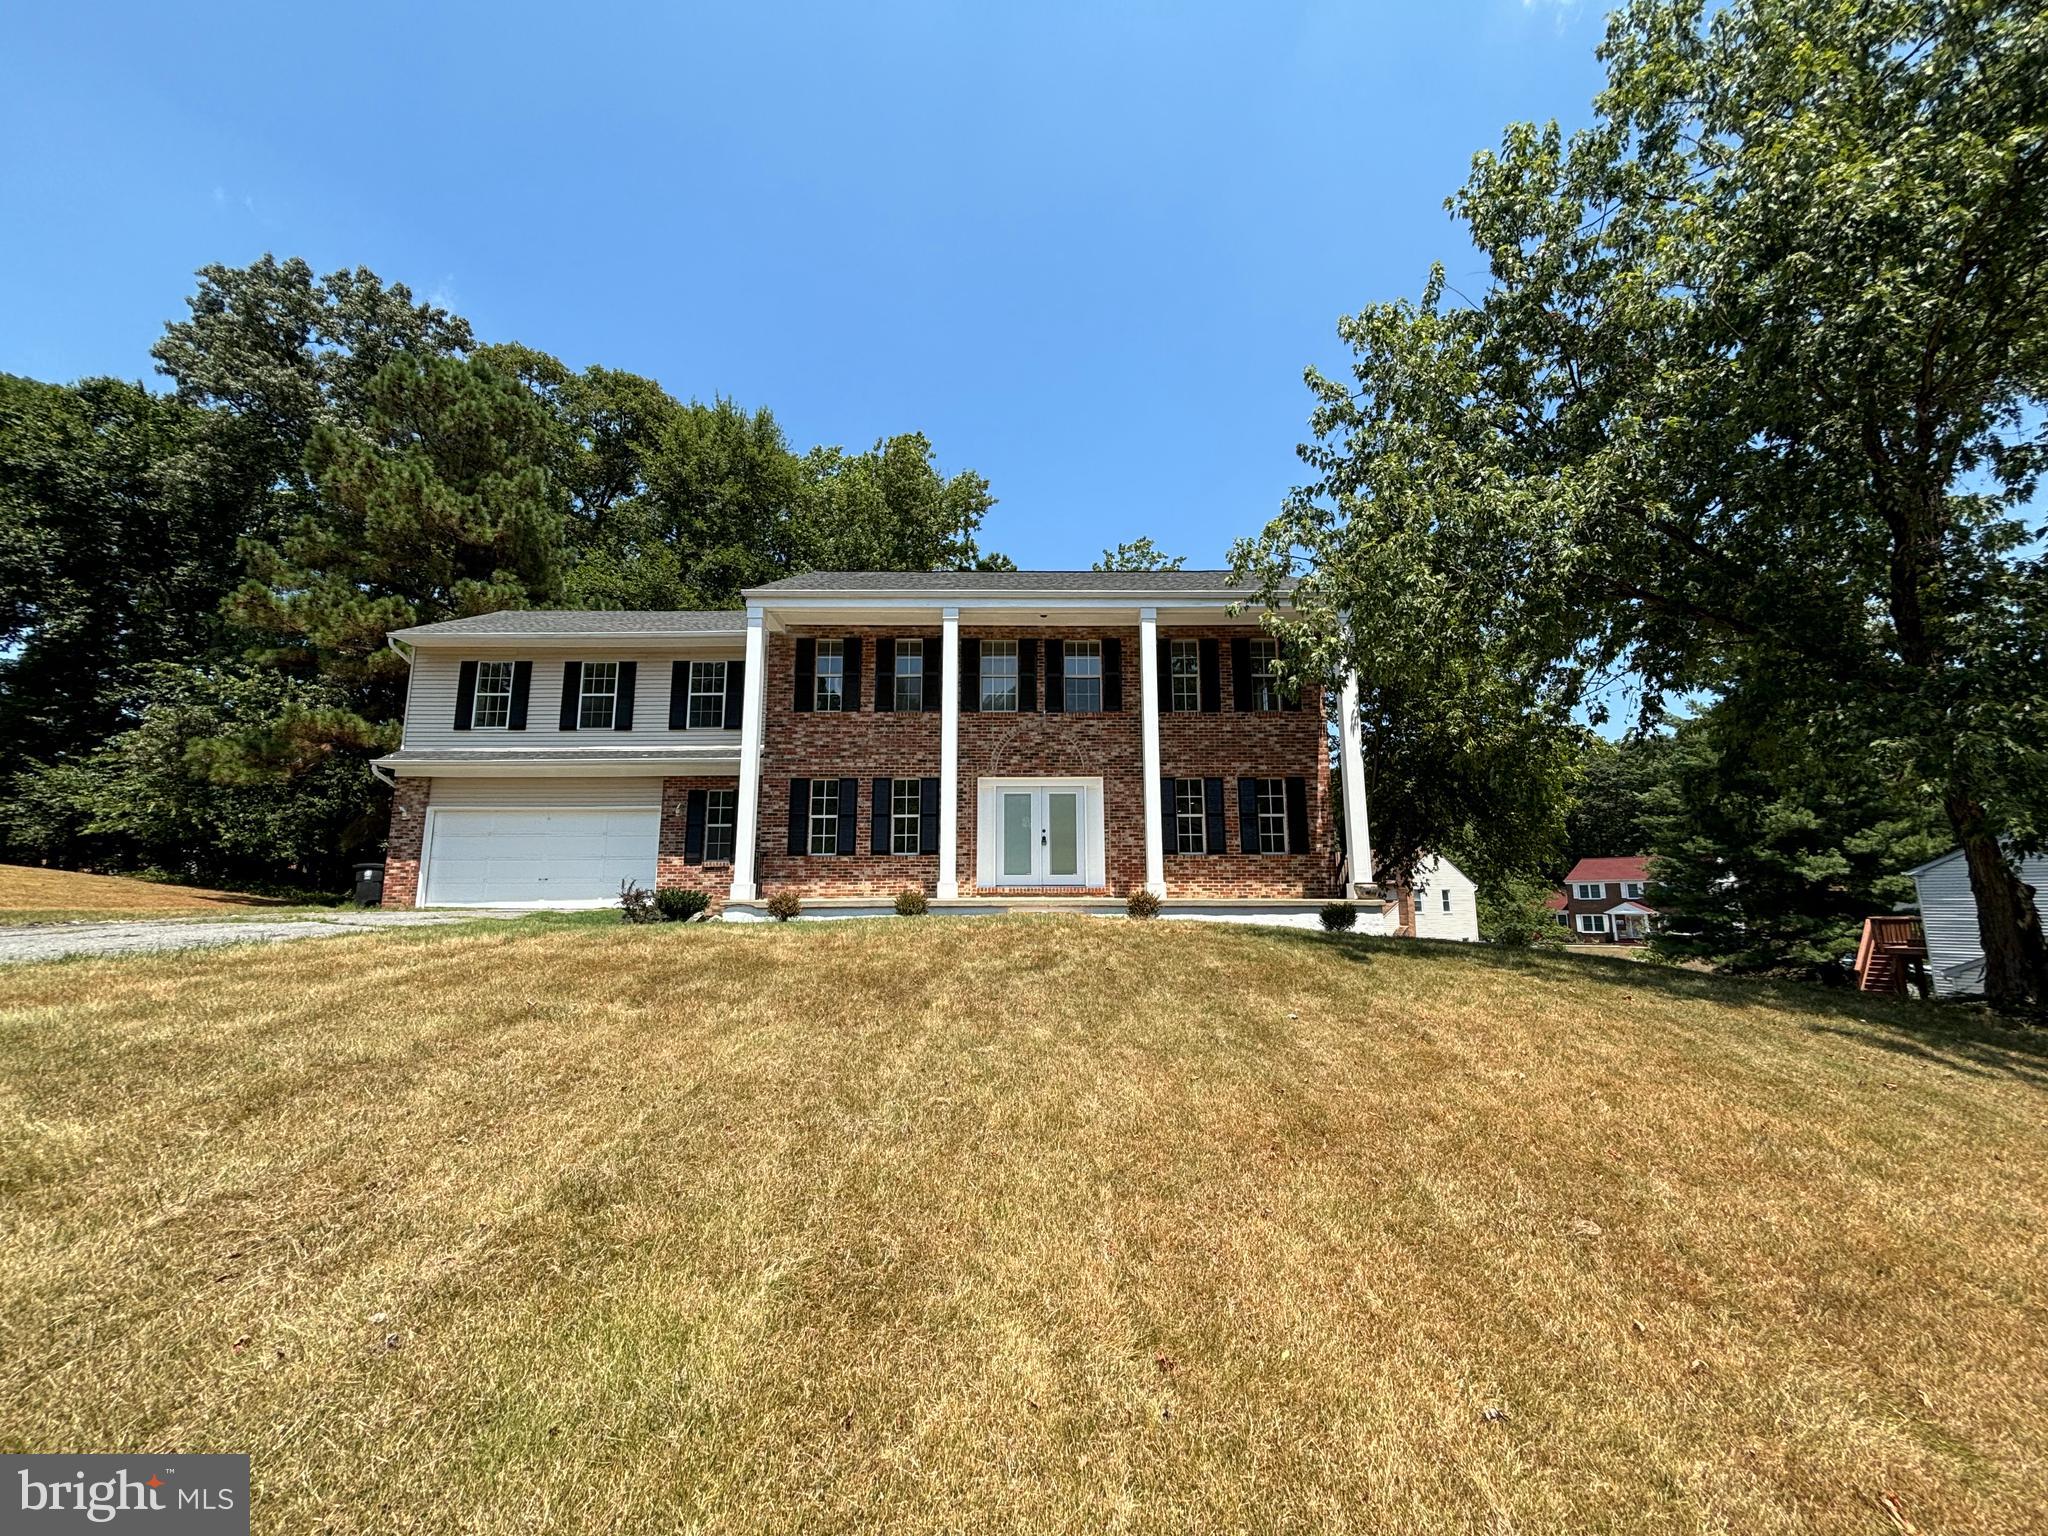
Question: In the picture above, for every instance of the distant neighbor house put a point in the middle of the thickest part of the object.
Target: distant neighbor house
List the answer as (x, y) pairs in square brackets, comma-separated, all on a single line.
[(1948, 914), (1604, 901), (1442, 904)]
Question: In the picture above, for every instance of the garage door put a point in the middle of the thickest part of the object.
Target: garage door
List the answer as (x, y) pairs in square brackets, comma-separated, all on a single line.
[(537, 858)]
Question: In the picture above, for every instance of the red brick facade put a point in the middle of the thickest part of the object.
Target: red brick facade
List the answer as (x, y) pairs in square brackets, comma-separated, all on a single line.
[(862, 744), (672, 869), (408, 832)]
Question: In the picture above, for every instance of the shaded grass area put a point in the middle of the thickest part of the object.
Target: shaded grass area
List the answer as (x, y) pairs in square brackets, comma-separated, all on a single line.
[(1022, 1223), (32, 895)]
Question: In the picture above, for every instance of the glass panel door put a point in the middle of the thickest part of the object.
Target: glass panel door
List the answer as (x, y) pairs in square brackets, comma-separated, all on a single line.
[(1019, 843), (1063, 823)]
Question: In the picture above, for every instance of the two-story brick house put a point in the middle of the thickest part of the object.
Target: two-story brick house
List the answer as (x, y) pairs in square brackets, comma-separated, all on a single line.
[(1604, 901), (849, 734)]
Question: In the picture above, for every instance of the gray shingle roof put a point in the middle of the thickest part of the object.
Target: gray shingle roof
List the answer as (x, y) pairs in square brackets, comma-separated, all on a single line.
[(823, 582), (564, 621)]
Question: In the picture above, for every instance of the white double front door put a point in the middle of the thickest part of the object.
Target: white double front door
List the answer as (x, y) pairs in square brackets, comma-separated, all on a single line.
[(1040, 832)]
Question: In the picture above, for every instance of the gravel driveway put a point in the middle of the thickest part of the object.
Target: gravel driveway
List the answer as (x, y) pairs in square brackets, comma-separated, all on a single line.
[(56, 940)]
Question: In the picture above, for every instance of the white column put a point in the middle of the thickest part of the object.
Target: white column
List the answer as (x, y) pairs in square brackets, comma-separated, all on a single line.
[(950, 683), (1351, 774), (753, 715), (1148, 670)]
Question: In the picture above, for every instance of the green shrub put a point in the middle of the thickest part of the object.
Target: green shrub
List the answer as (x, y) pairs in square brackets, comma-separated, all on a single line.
[(681, 906), (636, 905), (783, 905), (911, 903), (1141, 903), (1339, 917)]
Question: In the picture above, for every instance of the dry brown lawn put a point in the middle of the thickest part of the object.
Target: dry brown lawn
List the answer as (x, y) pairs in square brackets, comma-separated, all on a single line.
[(30, 895), (1022, 1225)]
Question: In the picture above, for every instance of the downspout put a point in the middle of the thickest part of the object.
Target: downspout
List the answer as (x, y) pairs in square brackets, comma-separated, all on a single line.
[(385, 776)]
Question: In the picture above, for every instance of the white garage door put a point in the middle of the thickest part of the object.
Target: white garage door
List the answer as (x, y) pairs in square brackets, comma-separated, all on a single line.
[(535, 858)]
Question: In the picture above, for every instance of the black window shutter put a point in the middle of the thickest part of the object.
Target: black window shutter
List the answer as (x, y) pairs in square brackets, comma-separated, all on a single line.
[(1297, 815), (851, 683), (934, 675), (928, 815), (879, 816), (1212, 814), (799, 815), (1027, 677), (695, 805), (1055, 676), (1113, 674), (465, 694), (735, 692), (806, 673), (522, 689), (1248, 815), (1241, 675), (572, 693), (622, 710), (1164, 662), (1169, 824), (885, 675), (1212, 677), (679, 696), (970, 676), (849, 814)]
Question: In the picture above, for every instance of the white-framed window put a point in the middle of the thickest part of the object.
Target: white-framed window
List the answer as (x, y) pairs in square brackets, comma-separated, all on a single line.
[(1272, 808), (1190, 817), (1184, 674), (1265, 674), (721, 815), (906, 817), (828, 680), (1592, 922), (1083, 676), (1631, 889), (909, 676), (598, 701), (999, 677), (1447, 901), (491, 708), (824, 816), (707, 696), (1591, 892)]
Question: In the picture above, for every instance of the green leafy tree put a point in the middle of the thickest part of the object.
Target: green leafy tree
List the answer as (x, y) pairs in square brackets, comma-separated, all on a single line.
[(1767, 856), (1611, 795), (440, 507), (1139, 554), (888, 509), (1752, 403)]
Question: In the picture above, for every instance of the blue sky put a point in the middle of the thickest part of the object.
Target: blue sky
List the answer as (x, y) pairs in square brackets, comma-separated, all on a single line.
[(1088, 249)]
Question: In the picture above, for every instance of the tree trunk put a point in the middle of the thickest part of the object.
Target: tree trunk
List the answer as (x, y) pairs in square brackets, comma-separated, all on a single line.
[(2008, 920)]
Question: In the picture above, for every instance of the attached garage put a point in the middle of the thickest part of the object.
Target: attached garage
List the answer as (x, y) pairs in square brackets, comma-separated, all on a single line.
[(537, 856)]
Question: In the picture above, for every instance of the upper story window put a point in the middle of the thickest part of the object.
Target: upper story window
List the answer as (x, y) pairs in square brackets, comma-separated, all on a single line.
[(1265, 656), (598, 702), (999, 676), (906, 818), (1588, 892), (707, 696), (1184, 674), (1083, 673), (824, 815), (828, 682), (1190, 817), (1632, 889), (491, 709), (721, 814), (909, 676), (1272, 813)]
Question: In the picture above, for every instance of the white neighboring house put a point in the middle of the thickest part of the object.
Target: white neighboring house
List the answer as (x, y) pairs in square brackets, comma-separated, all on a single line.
[(1444, 903), (1948, 913)]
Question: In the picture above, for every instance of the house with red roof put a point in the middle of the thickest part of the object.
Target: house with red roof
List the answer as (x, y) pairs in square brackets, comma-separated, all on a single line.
[(1604, 901)]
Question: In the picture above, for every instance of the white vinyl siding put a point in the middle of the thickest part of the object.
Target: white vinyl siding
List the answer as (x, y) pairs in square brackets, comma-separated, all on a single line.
[(1447, 904), (430, 703), (1948, 913)]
